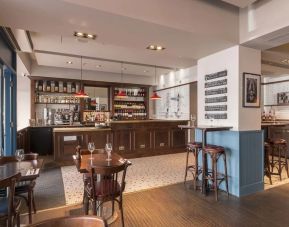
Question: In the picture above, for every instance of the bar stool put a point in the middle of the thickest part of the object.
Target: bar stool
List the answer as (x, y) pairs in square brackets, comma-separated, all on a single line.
[(279, 150), (267, 151), (194, 148), (215, 152)]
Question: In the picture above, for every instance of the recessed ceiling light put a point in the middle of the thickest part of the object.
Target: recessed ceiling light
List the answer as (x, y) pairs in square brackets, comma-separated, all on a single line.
[(155, 47), (84, 35), (145, 71), (285, 61), (123, 68), (98, 66), (69, 62)]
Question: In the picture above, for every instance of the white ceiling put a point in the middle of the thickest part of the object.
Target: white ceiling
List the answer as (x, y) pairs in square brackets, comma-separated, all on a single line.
[(188, 29)]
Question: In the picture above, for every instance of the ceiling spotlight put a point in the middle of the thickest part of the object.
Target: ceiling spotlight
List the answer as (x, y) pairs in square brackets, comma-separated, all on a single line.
[(145, 71), (123, 68), (98, 66), (155, 47), (84, 35), (285, 61), (69, 62)]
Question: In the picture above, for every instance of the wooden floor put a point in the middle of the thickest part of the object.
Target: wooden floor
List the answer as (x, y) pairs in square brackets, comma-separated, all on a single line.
[(177, 205)]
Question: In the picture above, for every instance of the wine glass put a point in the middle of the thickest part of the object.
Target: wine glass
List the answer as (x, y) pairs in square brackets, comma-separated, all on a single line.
[(108, 149), (19, 154), (91, 148)]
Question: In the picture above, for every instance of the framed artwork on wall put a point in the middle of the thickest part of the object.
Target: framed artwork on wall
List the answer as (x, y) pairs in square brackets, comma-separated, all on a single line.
[(251, 90)]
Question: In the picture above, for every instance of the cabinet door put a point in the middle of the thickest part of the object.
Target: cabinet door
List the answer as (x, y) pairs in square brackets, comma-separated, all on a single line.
[(178, 138), (161, 139), (142, 140), (122, 141), (41, 140)]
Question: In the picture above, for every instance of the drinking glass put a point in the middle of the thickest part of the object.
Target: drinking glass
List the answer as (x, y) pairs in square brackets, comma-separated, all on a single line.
[(19, 154), (91, 148), (108, 149)]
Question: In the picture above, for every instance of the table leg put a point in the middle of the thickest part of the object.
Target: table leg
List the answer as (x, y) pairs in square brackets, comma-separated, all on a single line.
[(204, 161)]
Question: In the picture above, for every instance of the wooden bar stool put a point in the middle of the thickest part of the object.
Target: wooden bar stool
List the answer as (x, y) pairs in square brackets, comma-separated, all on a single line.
[(267, 170), (215, 152), (279, 151), (194, 148)]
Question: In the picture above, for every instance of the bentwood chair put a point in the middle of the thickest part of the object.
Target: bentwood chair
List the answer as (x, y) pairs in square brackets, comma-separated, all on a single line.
[(71, 221), (9, 206), (27, 186), (105, 184)]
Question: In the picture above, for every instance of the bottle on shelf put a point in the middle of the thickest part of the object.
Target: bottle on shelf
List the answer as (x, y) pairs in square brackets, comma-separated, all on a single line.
[(56, 86), (64, 87), (48, 86), (40, 85), (73, 87)]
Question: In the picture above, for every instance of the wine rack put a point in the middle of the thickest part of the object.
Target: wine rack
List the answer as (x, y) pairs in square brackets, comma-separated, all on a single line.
[(132, 106)]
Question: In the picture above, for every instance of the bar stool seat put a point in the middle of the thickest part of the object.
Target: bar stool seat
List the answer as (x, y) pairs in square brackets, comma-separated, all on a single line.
[(193, 148), (279, 156), (215, 152)]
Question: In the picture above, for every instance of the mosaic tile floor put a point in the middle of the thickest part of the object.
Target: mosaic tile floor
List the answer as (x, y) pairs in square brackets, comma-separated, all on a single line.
[(144, 173)]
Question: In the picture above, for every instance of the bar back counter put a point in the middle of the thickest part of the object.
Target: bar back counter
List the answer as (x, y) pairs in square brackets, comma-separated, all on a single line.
[(130, 139)]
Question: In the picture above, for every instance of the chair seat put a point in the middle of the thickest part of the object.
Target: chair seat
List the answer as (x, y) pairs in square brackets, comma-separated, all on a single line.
[(4, 205), (105, 188), (214, 149), (194, 145)]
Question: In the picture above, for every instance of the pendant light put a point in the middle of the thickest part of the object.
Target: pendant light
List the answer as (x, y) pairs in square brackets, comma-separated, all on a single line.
[(121, 94), (81, 93), (155, 95)]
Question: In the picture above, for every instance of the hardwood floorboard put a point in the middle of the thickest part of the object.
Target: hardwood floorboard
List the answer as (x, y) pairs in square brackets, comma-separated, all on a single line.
[(177, 205)]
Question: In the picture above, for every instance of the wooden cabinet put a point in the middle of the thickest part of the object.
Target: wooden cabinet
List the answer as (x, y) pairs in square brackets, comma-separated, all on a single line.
[(178, 138), (142, 140), (122, 141), (161, 138)]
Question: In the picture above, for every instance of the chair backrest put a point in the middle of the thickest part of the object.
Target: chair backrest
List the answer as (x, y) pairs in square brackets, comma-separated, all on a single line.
[(71, 221), (108, 179), (9, 183), (82, 151)]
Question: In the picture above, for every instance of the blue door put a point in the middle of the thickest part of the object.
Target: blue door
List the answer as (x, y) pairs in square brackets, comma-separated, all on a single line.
[(8, 110)]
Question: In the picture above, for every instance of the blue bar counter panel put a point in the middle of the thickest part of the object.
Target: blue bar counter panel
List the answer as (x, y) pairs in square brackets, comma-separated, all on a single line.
[(244, 150)]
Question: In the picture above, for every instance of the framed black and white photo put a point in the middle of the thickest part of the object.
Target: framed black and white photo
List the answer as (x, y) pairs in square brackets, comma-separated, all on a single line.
[(251, 90)]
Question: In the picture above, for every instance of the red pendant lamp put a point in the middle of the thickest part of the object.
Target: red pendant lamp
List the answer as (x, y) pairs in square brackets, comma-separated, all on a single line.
[(81, 93), (155, 95), (121, 94)]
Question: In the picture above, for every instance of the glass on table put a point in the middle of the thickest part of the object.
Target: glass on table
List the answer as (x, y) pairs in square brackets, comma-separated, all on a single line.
[(19, 154), (91, 148), (108, 149)]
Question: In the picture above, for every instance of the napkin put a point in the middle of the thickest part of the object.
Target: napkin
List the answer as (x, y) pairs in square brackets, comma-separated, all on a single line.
[(32, 172)]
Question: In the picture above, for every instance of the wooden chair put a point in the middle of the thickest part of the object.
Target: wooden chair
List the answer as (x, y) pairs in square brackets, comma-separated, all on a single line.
[(27, 186), (105, 185), (9, 206), (80, 221)]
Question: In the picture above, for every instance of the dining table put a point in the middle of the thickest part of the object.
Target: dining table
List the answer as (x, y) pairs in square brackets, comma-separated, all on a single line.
[(29, 169)]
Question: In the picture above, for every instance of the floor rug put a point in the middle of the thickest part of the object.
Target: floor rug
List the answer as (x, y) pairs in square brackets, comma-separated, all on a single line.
[(144, 173)]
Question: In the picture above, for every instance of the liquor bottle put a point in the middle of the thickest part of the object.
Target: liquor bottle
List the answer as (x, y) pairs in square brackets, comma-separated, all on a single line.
[(56, 86), (48, 86), (64, 87), (263, 116), (40, 85), (73, 88)]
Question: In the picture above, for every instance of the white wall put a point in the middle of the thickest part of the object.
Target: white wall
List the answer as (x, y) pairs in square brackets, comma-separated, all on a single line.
[(235, 60), (263, 17), (55, 72), (179, 77), (23, 96)]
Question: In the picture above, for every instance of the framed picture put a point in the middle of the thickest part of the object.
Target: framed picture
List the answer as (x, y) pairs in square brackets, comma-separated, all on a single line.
[(251, 90)]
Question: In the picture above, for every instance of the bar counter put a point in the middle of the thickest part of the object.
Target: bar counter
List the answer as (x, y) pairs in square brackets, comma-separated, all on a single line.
[(130, 138)]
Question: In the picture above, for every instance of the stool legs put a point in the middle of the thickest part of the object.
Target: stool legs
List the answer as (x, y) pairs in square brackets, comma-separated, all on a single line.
[(194, 167), (226, 174), (279, 151), (187, 163)]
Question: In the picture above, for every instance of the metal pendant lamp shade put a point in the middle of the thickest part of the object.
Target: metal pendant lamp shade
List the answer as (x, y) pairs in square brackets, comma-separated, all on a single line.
[(155, 95), (121, 94), (81, 93)]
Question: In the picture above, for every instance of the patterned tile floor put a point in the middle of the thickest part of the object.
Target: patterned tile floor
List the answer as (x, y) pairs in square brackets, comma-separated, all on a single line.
[(144, 173)]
